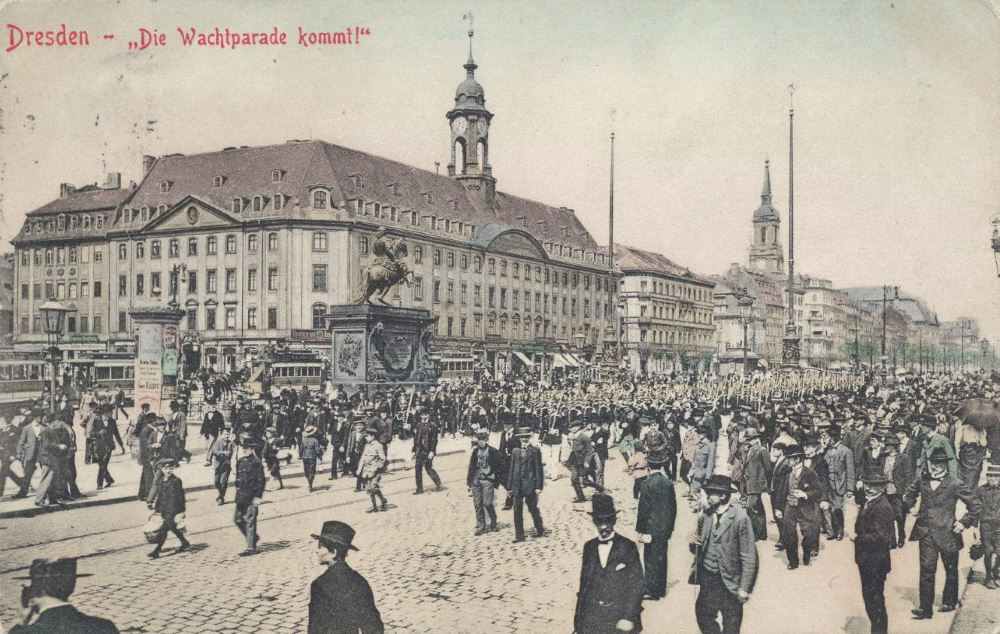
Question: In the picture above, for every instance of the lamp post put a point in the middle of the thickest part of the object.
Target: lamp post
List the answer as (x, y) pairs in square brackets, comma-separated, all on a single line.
[(578, 340), (53, 318), (746, 308)]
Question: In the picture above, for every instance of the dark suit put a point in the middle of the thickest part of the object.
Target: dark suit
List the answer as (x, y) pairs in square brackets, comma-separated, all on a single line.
[(249, 485), (933, 529), (756, 475), (655, 517), (64, 619), (801, 512), (610, 593), (875, 537), (27, 453), (425, 440), (341, 602), (524, 479), (169, 504), (736, 562)]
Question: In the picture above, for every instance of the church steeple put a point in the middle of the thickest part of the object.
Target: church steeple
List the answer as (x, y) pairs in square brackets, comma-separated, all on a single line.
[(766, 251), (469, 123)]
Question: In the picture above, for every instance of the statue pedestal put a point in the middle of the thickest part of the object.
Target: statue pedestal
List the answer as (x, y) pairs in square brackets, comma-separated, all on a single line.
[(156, 356), (381, 345)]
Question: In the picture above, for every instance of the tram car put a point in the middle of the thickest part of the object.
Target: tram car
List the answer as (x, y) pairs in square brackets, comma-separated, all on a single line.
[(24, 377)]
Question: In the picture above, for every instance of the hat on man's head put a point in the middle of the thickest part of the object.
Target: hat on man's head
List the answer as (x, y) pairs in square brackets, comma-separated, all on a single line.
[(371, 429), (874, 476), (602, 507), (167, 462), (309, 430), (44, 570), (145, 406), (939, 455), (720, 484), (483, 434), (523, 432), (794, 451), (334, 532)]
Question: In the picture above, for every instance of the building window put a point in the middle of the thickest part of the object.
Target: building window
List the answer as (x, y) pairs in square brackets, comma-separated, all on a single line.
[(319, 199), (217, 181), (231, 243), (98, 254), (258, 203), (72, 255), (230, 280), (436, 293), (451, 260), (418, 254), (462, 293), (97, 289), (272, 317), (122, 286), (139, 284), (451, 292), (97, 324), (154, 249), (122, 321), (25, 258), (503, 268), (319, 241), (154, 283), (515, 300), (272, 241), (192, 246), (276, 176), (478, 264), (363, 242), (319, 316), (319, 278), (237, 204), (491, 297), (25, 289), (37, 256), (252, 318), (272, 278), (211, 281), (437, 257), (174, 248), (230, 317), (515, 270), (493, 266), (210, 318), (252, 243), (36, 290), (192, 281), (451, 324), (60, 255), (140, 250), (192, 319), (418, 289), (465, 262), (477, 295), (503, 298), (212, 245), (461, 327), (251, 279)]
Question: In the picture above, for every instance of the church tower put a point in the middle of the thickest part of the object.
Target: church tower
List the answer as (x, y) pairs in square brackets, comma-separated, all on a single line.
[(766, 253), (469, 123)]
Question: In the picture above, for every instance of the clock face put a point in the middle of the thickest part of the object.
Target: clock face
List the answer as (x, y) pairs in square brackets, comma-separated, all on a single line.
[(459, 126), (482, 126)]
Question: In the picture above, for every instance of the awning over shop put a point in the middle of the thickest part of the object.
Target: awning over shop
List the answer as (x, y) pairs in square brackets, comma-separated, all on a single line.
[(524, 359), (563, 360)]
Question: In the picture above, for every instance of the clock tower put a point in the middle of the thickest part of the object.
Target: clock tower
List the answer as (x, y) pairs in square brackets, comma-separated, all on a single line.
[(469, 123)]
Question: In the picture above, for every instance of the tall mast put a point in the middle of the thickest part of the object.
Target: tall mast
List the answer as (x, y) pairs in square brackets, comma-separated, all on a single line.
[(611, 253)]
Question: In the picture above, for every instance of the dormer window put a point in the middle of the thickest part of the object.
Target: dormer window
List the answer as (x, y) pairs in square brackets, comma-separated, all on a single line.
[(218, 181), (237, 203), (356, 179), (414, 218), (258, 203), (74, 222), (145, 214), (86, 222), (99, 224), (393, 215), (378, 210), (277, 175), (394, 188), (162, 209), (279, 201), (447, 226), (434, 223), (165, 186), (319, 199)]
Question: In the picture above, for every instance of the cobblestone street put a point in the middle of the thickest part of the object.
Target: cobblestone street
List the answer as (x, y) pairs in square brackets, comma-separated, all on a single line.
[(427, 570)]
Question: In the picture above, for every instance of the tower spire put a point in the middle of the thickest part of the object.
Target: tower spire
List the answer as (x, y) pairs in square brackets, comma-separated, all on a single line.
[(470, 65), (765, 195)]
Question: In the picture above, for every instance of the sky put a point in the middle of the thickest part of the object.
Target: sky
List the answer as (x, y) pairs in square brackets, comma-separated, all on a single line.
[(897, 116)]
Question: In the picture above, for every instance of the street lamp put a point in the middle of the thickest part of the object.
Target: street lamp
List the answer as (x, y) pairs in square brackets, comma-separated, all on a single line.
[(53, 318), (746, 308), (578, 340)]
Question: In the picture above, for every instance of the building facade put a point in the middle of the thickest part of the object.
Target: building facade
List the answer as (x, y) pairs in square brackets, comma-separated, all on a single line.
[(255, 244), (666, 315)]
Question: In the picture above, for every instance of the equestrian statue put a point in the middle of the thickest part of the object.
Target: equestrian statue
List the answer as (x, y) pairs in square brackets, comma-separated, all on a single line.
[(388, 269)]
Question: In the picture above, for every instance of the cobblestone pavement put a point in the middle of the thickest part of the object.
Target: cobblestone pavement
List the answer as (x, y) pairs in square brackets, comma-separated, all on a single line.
[(427, 571)]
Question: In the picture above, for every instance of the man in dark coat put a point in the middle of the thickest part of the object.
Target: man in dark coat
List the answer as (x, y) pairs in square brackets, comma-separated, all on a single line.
[(51, 456), (525, 482), (211, 426), (655, 520), (169, 504), (725, 563), (483, 478), (46, 601), (756, 475), (937, 530), (249, 491), (340, 600), (425, 439), (611, 579), (28, 445), (9, 434), (874, 537), (801, 508)]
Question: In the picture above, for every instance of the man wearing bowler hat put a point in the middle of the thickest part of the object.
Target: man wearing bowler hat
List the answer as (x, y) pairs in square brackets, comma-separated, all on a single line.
[(655, 520), (725, 564), (483, 478), (800, 503), (611, 579), (340, 600), (874, 537), (46, 601), (524, 481), (937, 530)]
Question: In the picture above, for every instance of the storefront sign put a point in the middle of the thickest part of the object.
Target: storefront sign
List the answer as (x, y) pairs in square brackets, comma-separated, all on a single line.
[(310, 336)]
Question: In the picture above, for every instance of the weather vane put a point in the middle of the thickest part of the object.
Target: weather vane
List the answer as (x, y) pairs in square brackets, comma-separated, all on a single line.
[(468, 16)]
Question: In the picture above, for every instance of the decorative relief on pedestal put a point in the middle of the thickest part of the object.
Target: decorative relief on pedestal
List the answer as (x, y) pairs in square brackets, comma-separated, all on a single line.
[(349, 350)]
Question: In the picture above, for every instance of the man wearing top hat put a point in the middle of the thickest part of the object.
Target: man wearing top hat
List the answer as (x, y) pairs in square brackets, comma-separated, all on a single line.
[(937, 530), (611, 579), (525, 480), (800, 499), (46, 601), (655, 520), (340, 600), (725, 564), (936, 437), (874, 537), (483, 478)]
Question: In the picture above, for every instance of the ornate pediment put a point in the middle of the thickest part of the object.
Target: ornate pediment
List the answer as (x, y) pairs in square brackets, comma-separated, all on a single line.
[(191, 213)]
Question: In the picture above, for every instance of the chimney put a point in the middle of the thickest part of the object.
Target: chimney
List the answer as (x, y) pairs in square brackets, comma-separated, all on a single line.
[(65, 189), (147, 163), (113, 180)]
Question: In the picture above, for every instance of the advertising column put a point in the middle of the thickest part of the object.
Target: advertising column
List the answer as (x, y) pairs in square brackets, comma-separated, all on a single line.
[(156, 357)]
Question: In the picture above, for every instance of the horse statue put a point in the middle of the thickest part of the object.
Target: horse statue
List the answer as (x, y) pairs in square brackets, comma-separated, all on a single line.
[(388, 270)]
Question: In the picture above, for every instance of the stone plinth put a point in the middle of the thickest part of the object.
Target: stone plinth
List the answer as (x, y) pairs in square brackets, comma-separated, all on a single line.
[(381, 345)]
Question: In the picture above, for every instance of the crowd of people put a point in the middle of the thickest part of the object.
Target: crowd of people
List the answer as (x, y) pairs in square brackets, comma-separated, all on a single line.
[(717, 447)]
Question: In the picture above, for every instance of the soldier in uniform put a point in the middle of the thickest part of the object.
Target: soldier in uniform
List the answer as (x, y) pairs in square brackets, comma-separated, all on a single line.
[(249, 490)]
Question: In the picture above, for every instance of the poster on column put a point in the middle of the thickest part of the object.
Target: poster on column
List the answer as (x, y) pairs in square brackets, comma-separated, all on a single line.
[(148, 366)]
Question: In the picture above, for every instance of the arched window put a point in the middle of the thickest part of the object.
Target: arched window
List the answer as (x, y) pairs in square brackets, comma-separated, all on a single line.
[(86, 222), (237, 205), (460, 154), (279, 201), (272, 241), (258, 203), (100, 222), (319, 316), (763, 234), (481, 149), (319, 199)]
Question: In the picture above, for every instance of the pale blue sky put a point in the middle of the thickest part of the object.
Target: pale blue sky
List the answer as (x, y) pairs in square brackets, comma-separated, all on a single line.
[(897, 118)]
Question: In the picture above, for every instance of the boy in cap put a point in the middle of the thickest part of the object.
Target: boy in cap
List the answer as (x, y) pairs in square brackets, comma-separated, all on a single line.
[(370, 468), (309, 451), (46, 601), (989, 524), (655, 520), (222, 457), (340, 599), (169, 504), (611, 579)]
